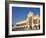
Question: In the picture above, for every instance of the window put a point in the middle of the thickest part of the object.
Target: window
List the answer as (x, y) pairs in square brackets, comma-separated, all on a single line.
[(17, 25), (36, 21)]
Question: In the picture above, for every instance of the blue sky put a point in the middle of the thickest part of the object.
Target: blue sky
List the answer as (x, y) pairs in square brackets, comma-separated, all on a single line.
[(19, 13)]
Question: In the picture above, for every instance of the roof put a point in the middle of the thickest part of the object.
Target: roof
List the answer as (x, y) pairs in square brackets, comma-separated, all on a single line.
[(24, 21)]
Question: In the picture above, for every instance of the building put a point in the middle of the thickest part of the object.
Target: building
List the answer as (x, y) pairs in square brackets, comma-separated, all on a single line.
[(32, 22)]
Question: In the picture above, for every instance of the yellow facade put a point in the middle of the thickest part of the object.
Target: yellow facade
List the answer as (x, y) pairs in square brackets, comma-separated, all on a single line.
[(31, 22)]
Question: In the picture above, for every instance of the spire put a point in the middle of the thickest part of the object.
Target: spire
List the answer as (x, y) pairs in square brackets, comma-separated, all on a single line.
[(30, 14)]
